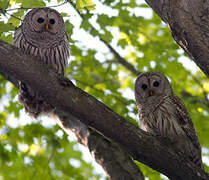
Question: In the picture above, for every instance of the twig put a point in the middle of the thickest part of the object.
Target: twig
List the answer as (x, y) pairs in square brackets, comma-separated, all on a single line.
[(17, 9), (101, 91), (120, 60), (32, 8), (4, 12), (205, 94)]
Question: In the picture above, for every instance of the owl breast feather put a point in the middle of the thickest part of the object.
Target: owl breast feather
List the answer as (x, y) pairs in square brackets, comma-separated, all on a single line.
[(162, 120), (55, 53)]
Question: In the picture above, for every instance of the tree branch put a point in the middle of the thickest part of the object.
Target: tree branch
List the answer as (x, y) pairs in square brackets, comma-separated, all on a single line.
[(156, 152), (188, 21), (117, 163), (119, 59), (195, 99)]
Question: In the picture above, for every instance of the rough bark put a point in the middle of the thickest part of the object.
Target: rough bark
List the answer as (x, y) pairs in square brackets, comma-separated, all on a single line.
[(70, 101), (116, 162), (189, 24)]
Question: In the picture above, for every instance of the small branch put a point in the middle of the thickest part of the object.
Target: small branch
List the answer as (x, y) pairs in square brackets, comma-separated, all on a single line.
[(201, 86), (195, 99), (17, 9), (4, 12), (24, 8), (101, 91), (119, 59)]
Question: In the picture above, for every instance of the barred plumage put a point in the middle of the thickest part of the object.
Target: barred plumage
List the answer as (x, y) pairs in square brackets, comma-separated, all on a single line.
[(163, 113), (42, 33)]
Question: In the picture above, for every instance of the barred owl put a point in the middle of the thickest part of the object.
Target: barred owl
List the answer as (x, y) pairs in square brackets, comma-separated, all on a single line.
[(163, 113), (42, 33)]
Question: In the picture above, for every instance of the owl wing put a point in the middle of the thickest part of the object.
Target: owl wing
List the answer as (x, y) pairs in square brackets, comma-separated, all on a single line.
[(187, 126), (17, 37), (185, 121)]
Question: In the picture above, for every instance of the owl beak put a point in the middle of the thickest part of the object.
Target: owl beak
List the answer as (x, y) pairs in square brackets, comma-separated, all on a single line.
[(47, 27), (151, 92)]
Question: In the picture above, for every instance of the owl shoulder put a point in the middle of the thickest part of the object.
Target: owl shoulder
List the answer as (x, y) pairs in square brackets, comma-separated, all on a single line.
[(180, 110), (17, 36)]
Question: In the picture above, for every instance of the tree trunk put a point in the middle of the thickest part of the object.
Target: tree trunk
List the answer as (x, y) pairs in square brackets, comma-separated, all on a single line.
[(189, 25)]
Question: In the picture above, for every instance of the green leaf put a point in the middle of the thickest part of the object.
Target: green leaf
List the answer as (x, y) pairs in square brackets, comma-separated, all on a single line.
[(31, 4), (3, 4), (69, 30), (64, 14), (81, 4), (6, 27)]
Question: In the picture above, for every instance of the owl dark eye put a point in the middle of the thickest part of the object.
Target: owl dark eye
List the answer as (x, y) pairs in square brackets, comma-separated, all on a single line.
[(40, 20), (156, 84), (144, 86), (52, 21)]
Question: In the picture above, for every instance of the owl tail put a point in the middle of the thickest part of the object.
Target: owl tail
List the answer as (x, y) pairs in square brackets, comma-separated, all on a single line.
[(33, 102)]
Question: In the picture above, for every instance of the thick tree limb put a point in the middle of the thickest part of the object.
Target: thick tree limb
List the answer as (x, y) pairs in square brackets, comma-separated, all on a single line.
[(156, 152), (189, 24), (117, 163)]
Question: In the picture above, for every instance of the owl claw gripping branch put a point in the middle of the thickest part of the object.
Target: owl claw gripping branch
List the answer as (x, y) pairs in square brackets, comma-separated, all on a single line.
[(42, 34), (162, 113)]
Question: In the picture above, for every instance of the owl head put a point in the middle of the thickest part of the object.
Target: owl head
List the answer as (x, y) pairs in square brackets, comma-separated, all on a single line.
[(151, 86), (43, 27)]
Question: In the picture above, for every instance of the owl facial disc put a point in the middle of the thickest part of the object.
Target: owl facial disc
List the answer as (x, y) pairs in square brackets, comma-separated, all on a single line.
[(151, 85)]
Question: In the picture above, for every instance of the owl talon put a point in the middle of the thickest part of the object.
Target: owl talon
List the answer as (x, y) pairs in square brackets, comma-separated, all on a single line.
[(65, 81), (55, 68)]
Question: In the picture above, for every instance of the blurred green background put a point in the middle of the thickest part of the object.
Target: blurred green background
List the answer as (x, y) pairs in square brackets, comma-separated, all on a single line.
[(38, 148)]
